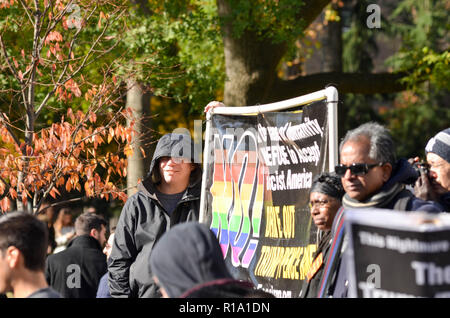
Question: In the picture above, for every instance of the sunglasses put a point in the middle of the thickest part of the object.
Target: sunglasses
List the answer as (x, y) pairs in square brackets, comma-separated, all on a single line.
[(357, 169)]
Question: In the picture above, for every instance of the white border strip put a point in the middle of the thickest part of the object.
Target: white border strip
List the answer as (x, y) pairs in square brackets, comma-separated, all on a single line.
[(288, 103), (332, 101)]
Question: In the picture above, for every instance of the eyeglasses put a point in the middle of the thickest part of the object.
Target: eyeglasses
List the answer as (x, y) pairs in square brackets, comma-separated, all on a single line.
[(357, 169), (318, 203), (176, 160)]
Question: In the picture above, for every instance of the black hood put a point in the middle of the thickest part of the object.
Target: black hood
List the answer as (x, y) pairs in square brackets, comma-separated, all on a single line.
[(187, 255), (403, 172), (177, 146)]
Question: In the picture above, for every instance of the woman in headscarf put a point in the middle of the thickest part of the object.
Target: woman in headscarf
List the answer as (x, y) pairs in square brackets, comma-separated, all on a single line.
[(324, 202)]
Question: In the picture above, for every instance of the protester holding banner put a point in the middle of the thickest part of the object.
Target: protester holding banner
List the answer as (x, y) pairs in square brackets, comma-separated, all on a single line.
[(259, 171), (435, 184), (170, 194), (372, 178), (188, 263), (325, 200)]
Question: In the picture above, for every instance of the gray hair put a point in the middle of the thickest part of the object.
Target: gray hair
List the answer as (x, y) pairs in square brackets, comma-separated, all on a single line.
[(382, 146)]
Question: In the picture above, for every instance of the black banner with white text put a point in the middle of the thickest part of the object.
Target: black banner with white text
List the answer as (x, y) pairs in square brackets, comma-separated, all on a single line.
[(259, 177)]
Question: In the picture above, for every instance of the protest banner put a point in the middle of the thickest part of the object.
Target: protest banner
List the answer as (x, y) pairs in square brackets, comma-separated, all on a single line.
[(408, 256), (259, 163)]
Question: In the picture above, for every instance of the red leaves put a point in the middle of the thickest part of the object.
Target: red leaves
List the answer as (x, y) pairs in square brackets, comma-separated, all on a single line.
[(15, 62), (70, 115), (67, 155), (128, 151), (5, 136), (53, 36), (92, 117), (72, 86), (50, 67), (5, 204), (6, 3), (54, 192)]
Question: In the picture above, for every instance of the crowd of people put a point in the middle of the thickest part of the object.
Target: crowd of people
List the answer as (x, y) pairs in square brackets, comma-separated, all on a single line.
[(159, 249)]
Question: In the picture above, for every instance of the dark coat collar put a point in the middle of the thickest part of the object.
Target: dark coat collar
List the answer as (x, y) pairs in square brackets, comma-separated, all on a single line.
[(149, 189), (86, 241)]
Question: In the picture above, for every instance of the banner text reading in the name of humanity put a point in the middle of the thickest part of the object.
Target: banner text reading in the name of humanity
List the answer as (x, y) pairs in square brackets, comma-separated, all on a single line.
[(304, 130)]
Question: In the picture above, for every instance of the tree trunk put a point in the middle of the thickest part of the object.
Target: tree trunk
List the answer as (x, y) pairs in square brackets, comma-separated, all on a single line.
[(251, 63), (251, 66), (332, 45), (139, 101)]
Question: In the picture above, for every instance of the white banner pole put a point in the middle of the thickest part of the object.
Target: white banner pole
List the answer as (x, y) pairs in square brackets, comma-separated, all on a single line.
[(332, 101), (289, 103), (205, 166)]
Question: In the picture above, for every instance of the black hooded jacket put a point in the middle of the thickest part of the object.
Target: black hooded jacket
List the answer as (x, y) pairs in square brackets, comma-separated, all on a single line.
[(186, 256), (144, 220), (188, 263)]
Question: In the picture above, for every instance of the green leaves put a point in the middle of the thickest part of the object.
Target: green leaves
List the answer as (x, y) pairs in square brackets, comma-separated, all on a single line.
[(278, 21), (426, 65), (176, 50), (423, 56)]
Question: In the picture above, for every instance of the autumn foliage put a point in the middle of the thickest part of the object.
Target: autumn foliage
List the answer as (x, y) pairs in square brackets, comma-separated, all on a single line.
[(56, 59), (65, 155)]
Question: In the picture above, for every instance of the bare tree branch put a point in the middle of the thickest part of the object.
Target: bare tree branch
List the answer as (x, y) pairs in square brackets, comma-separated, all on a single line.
[(311, 9), (83, 64), (27, 11), (6, 123), (11, 66)]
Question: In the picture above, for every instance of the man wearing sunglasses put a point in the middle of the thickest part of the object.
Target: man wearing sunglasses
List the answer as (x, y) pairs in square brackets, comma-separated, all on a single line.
[(372, 177)]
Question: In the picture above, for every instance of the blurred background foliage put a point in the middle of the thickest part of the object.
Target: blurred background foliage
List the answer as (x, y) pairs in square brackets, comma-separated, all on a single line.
[(175, 49)]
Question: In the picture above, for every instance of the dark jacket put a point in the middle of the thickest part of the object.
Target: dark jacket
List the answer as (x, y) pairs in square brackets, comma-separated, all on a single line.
[(47, 292), (444, 200), (311, 285), (76, 271), (393, 195), (142, 222)]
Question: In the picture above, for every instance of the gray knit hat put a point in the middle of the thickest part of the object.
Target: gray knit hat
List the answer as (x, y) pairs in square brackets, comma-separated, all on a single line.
[(440, 145)]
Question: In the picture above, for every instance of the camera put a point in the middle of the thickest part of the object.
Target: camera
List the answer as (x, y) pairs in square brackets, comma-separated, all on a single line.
[(419, 167)]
